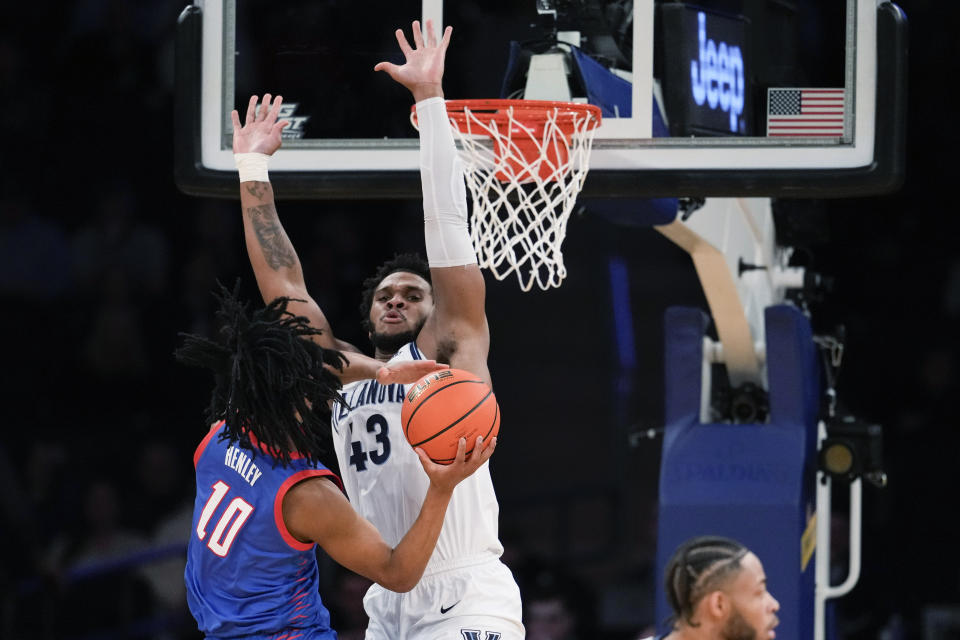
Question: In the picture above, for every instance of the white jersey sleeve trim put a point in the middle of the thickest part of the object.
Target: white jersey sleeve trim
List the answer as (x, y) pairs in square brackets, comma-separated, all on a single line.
[(415, 351)]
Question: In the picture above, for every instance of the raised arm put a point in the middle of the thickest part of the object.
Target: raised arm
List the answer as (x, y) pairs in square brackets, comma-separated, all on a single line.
[(274, 260), (457, 330), (316, 511)]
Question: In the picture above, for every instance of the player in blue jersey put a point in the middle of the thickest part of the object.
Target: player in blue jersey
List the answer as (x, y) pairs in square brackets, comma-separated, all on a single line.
[(412, 309), (265, 496)]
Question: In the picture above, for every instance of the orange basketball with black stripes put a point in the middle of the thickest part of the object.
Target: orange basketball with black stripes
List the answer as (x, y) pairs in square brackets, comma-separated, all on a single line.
[(443, 407)]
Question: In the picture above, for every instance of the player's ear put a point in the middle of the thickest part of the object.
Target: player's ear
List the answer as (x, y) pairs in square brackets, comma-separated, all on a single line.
[(716, 604)]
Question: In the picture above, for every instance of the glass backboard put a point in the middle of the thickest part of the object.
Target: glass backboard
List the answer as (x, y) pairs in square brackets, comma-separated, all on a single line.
[(724, 97)]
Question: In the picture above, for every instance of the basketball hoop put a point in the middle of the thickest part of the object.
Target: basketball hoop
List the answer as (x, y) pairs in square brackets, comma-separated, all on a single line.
[(524, 185)]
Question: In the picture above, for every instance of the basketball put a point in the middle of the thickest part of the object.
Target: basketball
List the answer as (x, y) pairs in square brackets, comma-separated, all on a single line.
[(443, 407)]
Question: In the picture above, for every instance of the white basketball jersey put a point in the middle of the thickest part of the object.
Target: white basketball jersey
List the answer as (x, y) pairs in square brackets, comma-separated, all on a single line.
[(387, 484)]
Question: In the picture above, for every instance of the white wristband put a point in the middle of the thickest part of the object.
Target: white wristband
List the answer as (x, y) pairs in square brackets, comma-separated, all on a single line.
[(252, 166)]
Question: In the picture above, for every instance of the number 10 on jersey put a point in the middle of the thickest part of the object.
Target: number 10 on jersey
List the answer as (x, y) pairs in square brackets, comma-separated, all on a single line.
[(230, 522)]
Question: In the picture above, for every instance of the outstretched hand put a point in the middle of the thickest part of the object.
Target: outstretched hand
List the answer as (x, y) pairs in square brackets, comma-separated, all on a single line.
[(422, 73), (446, 476), (261, 132), (407, 372)]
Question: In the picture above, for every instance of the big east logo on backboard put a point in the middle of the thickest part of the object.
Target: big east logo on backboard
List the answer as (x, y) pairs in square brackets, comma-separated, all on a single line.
[(717, 77), (294, 130)]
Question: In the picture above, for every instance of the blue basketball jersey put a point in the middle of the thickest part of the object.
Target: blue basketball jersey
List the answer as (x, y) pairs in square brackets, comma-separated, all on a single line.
[(246, 574)]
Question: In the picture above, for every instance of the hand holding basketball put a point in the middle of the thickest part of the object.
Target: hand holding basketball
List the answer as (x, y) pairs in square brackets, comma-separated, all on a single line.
[(446, 406), (446, 476), (261, 132)]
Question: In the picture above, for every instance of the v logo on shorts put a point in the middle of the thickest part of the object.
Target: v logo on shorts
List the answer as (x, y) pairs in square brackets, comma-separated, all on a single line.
[(471, 634), (444, 609)]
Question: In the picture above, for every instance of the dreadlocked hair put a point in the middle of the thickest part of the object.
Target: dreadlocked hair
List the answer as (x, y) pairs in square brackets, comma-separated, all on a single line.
[(271, 386), (409, 262), (698, 566)]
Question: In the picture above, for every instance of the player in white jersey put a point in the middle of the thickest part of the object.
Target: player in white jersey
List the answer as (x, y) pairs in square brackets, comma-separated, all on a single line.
[(414, 311)]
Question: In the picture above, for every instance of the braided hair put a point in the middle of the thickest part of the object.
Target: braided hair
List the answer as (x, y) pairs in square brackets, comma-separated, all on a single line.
[(698, 566), (271, 386)]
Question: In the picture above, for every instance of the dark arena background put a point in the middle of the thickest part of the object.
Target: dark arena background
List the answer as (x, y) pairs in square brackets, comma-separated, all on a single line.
[(103, 261)]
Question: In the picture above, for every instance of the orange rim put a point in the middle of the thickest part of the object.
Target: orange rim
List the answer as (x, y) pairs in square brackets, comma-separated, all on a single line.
[(532, 112)]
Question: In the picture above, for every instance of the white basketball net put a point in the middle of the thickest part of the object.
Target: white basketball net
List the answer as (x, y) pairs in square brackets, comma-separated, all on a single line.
[(522, 201)]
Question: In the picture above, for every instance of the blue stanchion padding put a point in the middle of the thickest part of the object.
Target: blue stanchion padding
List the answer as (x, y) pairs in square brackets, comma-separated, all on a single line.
[(752, 482), (513, 67), (684, 329), (795, 385), (605, 89), (614, 96), (630, 212)]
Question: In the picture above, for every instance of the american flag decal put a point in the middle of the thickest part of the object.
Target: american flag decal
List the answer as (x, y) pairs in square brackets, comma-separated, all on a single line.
[(805, 112)]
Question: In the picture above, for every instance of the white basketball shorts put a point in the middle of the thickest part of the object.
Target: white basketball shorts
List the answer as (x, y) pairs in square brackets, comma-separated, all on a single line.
[(471, 602)]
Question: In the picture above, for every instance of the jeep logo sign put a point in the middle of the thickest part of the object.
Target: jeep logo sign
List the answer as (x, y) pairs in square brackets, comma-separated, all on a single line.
[(716, 78)]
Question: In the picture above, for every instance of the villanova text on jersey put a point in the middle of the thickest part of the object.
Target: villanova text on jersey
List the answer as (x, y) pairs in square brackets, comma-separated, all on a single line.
[(369, 392)]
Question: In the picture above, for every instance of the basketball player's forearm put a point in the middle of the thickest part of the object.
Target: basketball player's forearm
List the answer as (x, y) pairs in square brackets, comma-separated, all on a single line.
[(275, 262), (409, 559), (446, 235), (458, 286), (358, 367), (272, 256)]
